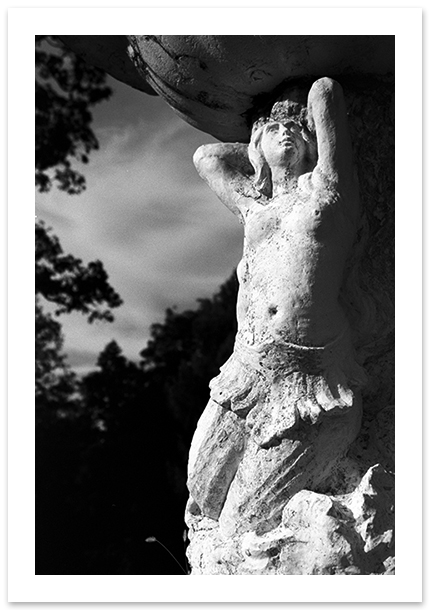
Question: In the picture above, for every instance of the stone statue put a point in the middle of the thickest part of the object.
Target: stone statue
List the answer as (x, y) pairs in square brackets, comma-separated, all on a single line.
[(286, 405)]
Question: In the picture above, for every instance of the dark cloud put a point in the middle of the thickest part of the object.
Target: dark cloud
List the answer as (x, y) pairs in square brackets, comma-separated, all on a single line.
[(163, 236)]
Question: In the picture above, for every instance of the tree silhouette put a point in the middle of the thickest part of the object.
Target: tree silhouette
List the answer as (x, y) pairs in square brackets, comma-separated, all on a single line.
[(113, 392), (117, 471), (66, 89), (55, 381), (63, 279), (182, 356), (65, 282), (112, 447)]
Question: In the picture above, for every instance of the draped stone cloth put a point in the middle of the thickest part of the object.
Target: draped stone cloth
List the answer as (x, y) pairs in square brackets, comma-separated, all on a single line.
[(280, 417), (274, 385)]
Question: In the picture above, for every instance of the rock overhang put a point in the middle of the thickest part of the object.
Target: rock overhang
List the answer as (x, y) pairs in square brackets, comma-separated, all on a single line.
[(219, 83)]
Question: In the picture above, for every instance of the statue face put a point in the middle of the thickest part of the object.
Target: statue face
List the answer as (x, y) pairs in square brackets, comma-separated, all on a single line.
[(282, 144)]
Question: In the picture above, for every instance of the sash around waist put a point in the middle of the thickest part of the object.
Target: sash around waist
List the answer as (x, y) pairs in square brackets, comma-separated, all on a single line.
[(290, 357)]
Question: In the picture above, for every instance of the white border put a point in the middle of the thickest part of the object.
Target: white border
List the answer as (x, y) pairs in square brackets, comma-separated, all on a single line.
[(405, 24)]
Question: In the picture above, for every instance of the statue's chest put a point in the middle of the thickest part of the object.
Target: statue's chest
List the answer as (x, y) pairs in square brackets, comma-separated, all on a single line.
[(262, 224), (312, 216), (285, 219)]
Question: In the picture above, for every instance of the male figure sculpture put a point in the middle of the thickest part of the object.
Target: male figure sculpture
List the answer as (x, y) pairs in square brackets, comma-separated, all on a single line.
[(286, 405)]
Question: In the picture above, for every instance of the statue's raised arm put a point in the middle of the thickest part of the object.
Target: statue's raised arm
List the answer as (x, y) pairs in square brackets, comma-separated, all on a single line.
[(226, 168), (328, 117), (286, 406)]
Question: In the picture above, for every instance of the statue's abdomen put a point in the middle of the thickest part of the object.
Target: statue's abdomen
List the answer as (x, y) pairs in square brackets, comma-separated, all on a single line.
[(290, 279)]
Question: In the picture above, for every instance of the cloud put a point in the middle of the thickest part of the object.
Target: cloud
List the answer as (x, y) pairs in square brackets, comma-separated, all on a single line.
[(163, 236)]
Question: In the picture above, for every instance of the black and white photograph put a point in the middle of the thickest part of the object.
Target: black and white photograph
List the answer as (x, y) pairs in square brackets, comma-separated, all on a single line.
[(220, 319)]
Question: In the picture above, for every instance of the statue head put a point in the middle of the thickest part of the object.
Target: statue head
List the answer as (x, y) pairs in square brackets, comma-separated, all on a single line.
[(282, 137)]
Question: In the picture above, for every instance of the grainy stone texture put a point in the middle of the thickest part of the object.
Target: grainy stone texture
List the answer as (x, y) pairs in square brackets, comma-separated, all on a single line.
[(298, 506), (218, 83), (323, 534)]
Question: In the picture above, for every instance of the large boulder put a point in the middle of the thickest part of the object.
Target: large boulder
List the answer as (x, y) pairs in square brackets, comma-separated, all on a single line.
[(219, 83)]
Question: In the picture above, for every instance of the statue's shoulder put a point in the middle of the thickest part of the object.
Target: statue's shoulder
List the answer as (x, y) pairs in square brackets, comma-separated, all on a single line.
[(305, 183)]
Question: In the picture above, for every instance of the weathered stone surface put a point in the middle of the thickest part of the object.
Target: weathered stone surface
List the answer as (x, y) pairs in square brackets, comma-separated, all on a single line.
[(214, 458), (218, 83), (345, 526), (289, 468), (319, 534), (292, 384), (267, 478)]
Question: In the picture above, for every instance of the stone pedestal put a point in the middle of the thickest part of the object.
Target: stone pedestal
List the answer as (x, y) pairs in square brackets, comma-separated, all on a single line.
[(319, 534)]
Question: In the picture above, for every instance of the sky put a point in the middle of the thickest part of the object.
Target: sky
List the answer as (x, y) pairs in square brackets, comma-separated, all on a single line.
[(164, 238)]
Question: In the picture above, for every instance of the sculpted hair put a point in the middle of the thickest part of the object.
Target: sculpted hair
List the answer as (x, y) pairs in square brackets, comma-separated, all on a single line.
[(263, 176)]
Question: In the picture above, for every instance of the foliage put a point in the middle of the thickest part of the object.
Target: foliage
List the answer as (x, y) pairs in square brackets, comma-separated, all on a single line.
[(183, 355), (111, 448), (55, 381), (66, 89), (63, 279), (203, 336), (112, 390), (117, 471)]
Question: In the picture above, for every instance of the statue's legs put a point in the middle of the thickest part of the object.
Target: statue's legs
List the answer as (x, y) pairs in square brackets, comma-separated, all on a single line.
[(215, 453), (245, 486), (268, 477)]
